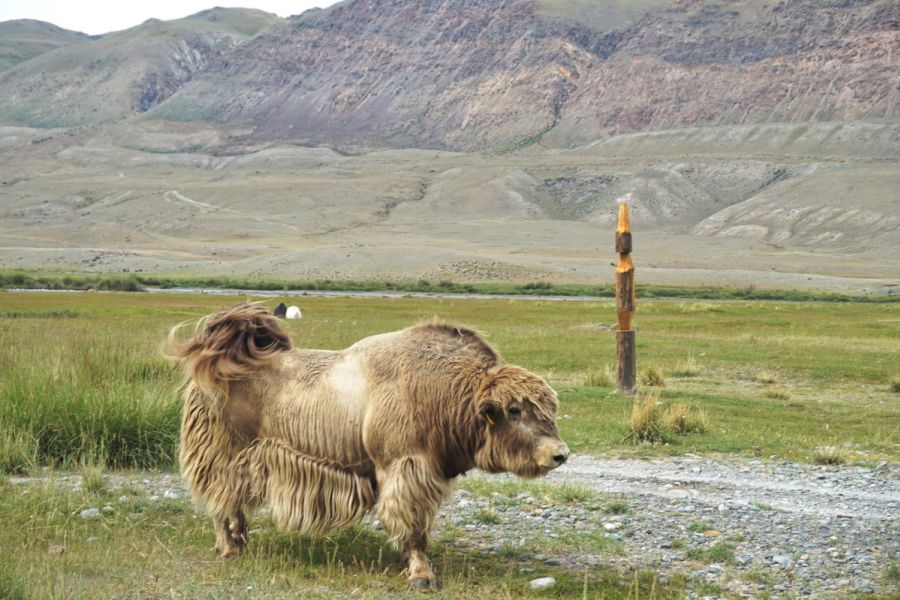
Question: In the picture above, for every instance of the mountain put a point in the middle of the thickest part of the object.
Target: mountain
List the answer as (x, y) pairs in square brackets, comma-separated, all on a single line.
[(122, 73), (23, 39), (474, 75), (464, 74), (758, 143)]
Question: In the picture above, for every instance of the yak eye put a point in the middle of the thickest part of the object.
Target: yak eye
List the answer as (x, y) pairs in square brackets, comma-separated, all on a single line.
[(515, 410)]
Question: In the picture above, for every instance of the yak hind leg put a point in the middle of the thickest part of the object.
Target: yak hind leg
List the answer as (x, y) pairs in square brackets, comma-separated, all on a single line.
[(411, 492), (231, 534)]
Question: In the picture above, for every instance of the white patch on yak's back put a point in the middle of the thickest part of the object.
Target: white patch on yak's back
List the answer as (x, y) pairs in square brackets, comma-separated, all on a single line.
[(347, 381)]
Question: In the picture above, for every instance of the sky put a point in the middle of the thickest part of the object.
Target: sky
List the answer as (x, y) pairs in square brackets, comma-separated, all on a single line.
[(102, 16)]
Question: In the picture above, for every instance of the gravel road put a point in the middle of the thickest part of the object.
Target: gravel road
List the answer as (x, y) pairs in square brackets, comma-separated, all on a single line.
[(751, 527)]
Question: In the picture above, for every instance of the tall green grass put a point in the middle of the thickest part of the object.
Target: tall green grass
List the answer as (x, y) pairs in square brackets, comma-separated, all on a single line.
[(82, 388)]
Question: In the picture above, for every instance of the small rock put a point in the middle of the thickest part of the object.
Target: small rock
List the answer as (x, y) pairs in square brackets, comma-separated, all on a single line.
[(782, 561), (57, 549), (712, 533), (171, 495), (123, 499), (553, 562), (89, 513), (611, 526), (715, 569), (109, 509), (542, 583)]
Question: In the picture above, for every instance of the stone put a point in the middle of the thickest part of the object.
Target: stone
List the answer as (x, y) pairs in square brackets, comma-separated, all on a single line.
[(89, 513), (542, 583), (782, 561)]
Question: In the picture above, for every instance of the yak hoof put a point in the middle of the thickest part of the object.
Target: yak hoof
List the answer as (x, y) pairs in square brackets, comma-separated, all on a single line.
[(420, 584)]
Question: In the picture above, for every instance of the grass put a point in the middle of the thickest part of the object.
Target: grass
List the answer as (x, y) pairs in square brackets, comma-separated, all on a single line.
[(894, 385), (700, 527), (652, 377), (162, 549), (829, 455), (720, 552), (96, 378), (599, 378), (617, 507), (645, 425), (683, 419)]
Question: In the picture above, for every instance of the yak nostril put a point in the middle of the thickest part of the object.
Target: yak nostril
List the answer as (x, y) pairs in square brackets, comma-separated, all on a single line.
[(560, 458)]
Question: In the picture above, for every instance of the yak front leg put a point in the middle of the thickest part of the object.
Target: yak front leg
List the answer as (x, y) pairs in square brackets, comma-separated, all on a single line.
[(411, 490), (231, 534)]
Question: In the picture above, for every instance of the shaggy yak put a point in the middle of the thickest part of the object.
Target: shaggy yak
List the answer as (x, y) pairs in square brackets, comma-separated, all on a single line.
[(323, 436)]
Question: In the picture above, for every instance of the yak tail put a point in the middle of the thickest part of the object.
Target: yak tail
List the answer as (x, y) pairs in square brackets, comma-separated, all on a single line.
[(307, 494), (229, 346)]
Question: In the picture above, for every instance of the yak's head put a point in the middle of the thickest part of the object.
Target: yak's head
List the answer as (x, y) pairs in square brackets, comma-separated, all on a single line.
[(518, 410)]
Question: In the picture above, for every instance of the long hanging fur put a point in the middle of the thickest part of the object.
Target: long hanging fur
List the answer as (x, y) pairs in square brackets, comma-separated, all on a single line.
[(305, 493), (225, 468)]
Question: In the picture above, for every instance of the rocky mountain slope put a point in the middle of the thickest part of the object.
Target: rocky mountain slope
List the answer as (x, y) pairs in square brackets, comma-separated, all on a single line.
[(468, 75), (472, 75)]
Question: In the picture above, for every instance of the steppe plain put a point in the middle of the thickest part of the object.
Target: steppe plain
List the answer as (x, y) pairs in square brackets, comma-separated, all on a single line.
[(802, 206)]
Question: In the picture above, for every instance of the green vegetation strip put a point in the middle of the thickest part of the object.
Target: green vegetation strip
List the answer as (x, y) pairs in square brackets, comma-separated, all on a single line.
[(95, 388), (142, 282)]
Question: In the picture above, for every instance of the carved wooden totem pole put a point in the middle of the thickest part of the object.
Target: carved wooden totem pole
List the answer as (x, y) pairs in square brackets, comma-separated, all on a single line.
[(625, 344)]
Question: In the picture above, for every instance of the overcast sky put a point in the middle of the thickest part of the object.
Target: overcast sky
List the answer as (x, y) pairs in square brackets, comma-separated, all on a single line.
[(102, 16)]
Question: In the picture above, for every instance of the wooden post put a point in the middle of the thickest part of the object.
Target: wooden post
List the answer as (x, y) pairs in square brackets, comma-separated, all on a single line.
[(625, 344)]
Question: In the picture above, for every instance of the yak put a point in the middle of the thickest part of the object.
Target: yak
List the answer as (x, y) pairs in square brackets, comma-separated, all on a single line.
[(322, 437)]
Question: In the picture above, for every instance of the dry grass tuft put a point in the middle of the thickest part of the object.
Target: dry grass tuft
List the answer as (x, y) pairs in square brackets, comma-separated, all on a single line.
[(646, 423), (766, 377), (778, 393), (689, 367), (829, 455), (894, 385), (599, 378), (683, 419), (652, 377)]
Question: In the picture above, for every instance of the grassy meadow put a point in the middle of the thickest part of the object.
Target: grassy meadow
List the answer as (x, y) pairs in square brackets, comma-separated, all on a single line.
[(84, 387)]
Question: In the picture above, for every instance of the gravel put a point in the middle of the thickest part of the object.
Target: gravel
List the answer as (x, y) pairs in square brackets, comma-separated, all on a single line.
[(749, 526)]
